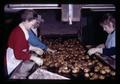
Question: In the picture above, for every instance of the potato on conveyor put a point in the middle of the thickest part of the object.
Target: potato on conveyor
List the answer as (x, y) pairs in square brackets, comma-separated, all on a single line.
[(102, 71), (86, 75), (112, 73), (76, 70), (94, 76), (101, 77)]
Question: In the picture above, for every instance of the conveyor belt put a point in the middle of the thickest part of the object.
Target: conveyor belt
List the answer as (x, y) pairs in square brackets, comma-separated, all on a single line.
[(108, 60)]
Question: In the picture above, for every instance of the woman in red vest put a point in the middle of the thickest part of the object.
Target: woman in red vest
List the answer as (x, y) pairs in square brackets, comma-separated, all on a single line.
[(18, 46)]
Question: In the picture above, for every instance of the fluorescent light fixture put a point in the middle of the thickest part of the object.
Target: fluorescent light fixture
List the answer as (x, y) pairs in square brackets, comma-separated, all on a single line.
[(103, 10), (36, 8), (32, 5), (98, 6)]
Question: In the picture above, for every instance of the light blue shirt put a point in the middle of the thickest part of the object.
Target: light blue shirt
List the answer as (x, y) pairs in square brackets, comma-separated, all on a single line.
[(110, 42), (35, 41)]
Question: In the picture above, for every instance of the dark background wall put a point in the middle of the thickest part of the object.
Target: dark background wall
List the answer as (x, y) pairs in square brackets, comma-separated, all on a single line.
[(54, 25)]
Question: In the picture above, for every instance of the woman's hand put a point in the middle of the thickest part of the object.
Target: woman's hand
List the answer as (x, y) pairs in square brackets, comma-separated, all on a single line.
[(37, 60), (36, 50), (95, 50), (51, 51)]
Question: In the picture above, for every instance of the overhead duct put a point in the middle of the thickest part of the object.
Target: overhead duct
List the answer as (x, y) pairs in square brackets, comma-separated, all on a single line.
[(69, 10), (70, 14), (76, 12), (65, 10)]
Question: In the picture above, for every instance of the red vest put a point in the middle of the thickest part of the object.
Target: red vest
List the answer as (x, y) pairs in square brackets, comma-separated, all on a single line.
[(18, 49)]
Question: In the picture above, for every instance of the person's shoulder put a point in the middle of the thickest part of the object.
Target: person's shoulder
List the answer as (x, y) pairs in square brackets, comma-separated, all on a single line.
[(17, 29)]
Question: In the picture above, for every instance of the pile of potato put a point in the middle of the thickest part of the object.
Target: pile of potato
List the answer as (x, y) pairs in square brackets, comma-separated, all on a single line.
[(71, 59)]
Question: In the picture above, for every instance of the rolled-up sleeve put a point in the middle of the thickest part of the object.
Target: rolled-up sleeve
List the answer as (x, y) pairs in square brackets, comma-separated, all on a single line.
[(35, 41)]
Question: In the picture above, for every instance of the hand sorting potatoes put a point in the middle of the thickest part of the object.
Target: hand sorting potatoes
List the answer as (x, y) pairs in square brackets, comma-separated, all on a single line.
[(71, 58)]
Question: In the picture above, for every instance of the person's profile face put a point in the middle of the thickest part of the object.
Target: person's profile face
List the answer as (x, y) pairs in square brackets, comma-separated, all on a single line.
[(108, 28), (37, 24), (105, 28), (31, 23)]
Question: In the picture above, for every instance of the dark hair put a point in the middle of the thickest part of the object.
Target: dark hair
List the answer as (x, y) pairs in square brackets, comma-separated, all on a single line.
[(106, 19), (28, 15)]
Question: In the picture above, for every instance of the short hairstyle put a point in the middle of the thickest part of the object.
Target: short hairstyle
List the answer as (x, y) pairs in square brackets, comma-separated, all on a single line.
[(106, 19), (28, 15)]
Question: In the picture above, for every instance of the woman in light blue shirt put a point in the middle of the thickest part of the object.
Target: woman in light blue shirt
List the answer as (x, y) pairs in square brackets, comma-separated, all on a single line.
[(37, 41), (108, 49)]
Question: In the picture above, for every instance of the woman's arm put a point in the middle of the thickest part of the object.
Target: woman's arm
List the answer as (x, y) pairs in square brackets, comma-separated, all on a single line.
[(101, 46), (109, 51), (35, 41), (105, 51)]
